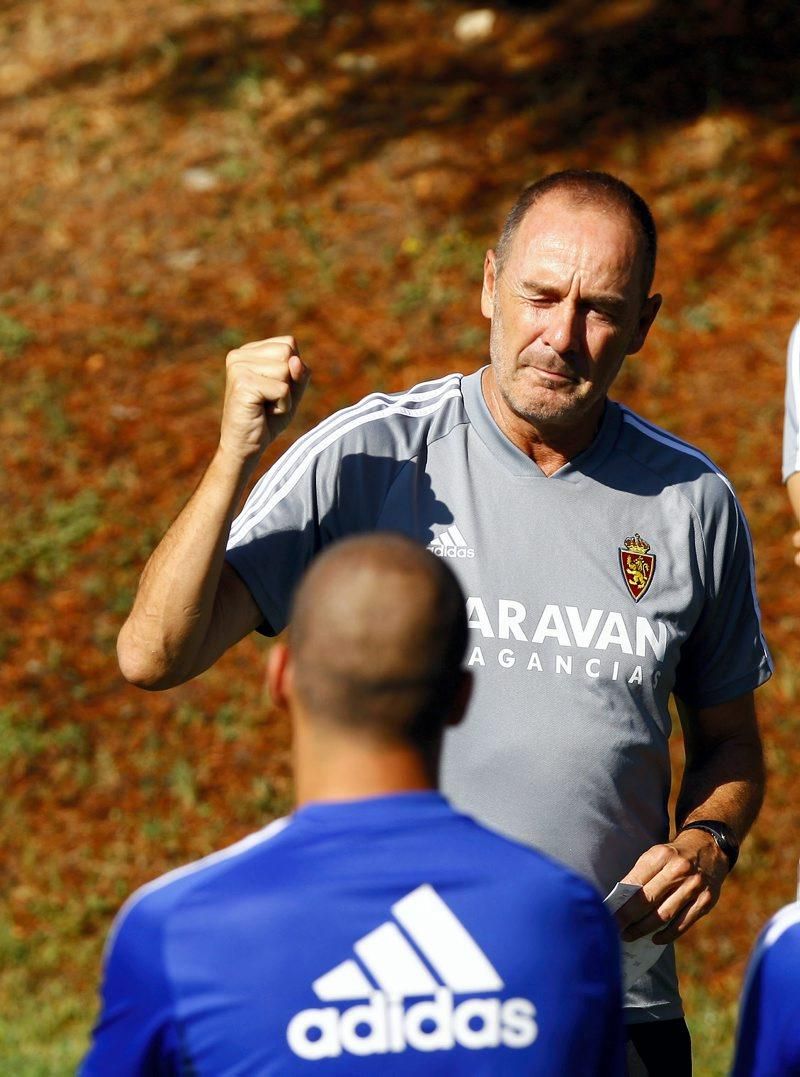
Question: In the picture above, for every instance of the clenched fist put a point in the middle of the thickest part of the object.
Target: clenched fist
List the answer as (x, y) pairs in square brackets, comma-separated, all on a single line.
[(264, 383)]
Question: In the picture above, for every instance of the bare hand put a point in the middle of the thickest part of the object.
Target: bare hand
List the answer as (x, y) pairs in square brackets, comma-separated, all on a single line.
[(681, 882), (264, 383), (796, 544)]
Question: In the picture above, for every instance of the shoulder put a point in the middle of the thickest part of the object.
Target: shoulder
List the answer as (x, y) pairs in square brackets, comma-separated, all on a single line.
[(676, 463), (563, 903), (533, 872), (772, 980), (666, 453), (767, 1034), (358, 451), (781, 934), (391, 420), (148, 910)]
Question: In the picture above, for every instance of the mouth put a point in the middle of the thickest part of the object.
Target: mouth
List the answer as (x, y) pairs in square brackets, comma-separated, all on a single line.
[(560, 377)]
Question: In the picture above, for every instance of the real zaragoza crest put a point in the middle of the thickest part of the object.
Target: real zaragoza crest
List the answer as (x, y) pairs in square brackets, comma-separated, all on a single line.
[(638, 566)]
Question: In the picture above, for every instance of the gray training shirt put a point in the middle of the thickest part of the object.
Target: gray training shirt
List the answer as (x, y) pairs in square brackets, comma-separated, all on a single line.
[(791, 428), (592, 595)]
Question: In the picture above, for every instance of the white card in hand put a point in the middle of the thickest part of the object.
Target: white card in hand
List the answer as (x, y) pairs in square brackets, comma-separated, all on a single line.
[(639, 956)]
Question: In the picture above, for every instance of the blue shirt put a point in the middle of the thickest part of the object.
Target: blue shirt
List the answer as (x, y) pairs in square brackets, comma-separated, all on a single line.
[(390, 935), (768, 1042)]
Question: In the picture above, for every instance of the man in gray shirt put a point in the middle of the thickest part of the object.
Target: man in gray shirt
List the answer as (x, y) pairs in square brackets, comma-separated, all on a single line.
[(607, 564)]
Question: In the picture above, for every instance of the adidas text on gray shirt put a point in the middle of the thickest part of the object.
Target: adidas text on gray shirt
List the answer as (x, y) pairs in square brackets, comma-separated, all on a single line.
[(592, 595)]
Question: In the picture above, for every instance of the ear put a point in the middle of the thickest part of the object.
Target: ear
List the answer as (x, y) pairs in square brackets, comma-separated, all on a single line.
[(279, 674), (461, 699), (647, 316), (489, 282)]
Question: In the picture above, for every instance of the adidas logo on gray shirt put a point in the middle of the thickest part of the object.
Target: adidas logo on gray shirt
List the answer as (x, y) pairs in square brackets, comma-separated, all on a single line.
[(451, 543)]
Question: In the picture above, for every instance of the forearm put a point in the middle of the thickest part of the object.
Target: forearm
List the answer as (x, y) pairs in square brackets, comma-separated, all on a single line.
[(723, 781), (727, 783), (793, 493), (164, 640), (188, 609)]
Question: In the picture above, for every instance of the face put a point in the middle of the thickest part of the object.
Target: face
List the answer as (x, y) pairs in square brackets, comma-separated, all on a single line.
[(565, 310)]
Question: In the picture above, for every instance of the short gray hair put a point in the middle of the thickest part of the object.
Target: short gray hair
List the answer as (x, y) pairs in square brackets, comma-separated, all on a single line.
[(585, 187)]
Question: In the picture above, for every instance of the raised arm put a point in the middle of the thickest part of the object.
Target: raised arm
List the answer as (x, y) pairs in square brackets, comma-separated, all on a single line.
[(723, 781), (190, 606)]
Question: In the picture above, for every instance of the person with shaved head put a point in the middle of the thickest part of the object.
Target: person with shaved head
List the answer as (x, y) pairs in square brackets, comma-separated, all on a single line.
[(607, 565), (376, 930)]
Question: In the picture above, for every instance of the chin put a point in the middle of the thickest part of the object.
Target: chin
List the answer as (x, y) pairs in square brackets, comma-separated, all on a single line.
[(554, 412)]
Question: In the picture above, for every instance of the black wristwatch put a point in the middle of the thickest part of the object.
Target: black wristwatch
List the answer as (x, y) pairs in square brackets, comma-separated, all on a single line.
[(722, 835)]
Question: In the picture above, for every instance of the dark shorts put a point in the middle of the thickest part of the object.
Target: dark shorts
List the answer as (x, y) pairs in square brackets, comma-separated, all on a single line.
[(659, 1049)]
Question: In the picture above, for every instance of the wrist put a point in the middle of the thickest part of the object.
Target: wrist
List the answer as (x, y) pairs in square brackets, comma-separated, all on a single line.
[(721, 834), (232, 466)]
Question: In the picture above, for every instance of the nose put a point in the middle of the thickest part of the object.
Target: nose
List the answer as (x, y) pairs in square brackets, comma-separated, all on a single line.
[(562, 332)]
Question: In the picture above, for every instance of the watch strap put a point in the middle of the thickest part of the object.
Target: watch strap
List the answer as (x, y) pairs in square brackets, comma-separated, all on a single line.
[(722, 834)]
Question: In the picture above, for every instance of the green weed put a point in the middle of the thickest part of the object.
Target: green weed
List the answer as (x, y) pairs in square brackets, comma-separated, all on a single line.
[(41, 292), (146, 337), (308, 9), (9, 639), (235, 169), (40, 397), (454, 255), (189, 714), (708, 206), (14, 336), (713, 1028), (229, 338), (45, 541), (22, 733), (270, 801), (44, 1024), (110, 338), (137, 289), (471, 339), (182, 784), (700, 318)]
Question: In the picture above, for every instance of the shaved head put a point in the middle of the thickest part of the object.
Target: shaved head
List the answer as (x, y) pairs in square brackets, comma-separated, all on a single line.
[(598, 190), (378, 634)]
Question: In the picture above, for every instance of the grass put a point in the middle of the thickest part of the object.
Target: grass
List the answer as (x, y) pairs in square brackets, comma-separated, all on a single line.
[(276, 233), (713, 1028), (45, 539), (145, 336), (46, 1035), (44, 1021), (21, 734), (308, 9), (439, 266), (14, 336)]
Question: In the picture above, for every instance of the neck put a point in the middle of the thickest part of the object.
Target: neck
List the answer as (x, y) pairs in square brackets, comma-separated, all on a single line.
[(549, 445), (331, 768)]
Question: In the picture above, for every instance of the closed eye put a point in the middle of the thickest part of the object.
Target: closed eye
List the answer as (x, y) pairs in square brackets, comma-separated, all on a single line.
[(607, 312), (603, 315), (541, 300)]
